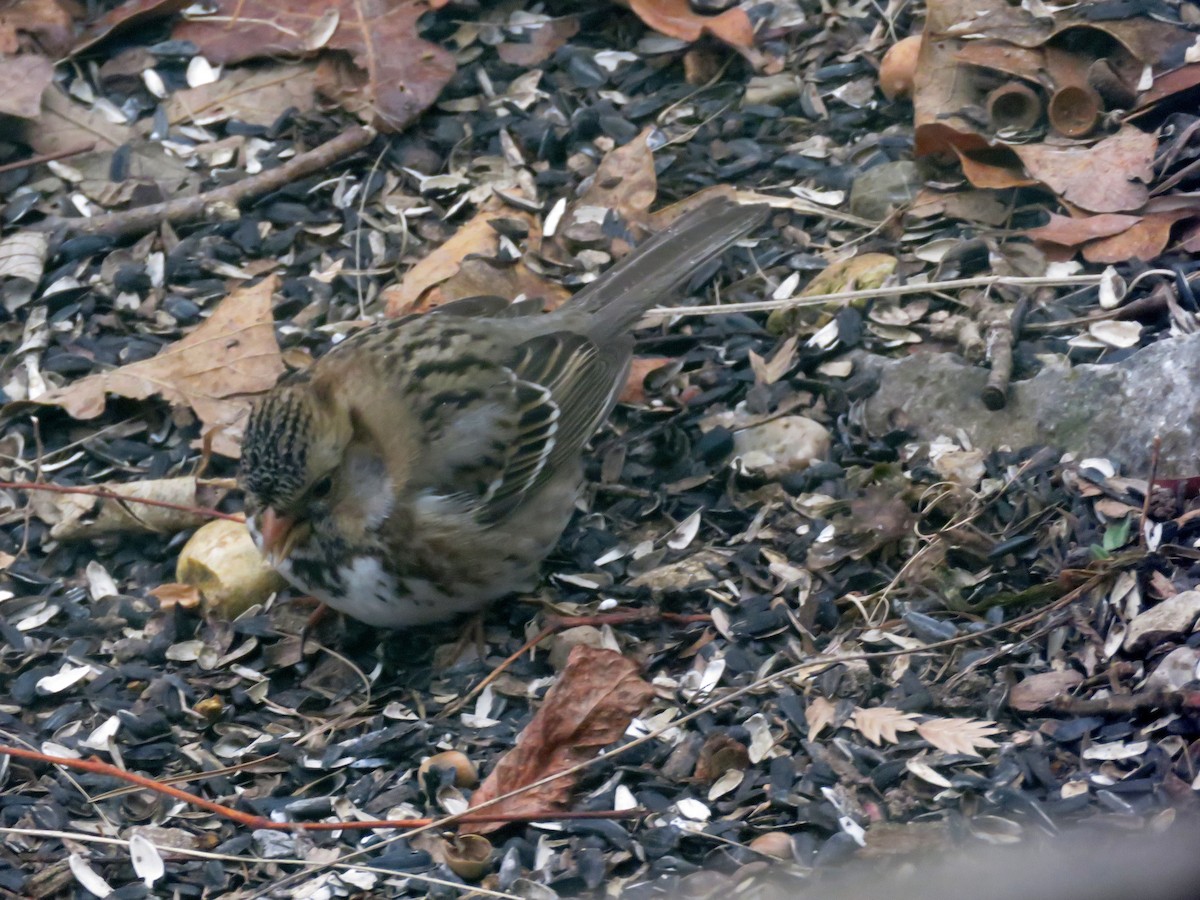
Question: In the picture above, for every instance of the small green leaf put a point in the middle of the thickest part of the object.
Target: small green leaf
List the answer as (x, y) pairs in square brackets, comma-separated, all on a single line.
[(1117, 536)]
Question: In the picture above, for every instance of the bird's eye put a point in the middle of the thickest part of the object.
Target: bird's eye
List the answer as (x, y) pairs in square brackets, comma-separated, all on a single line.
[(321, 489)]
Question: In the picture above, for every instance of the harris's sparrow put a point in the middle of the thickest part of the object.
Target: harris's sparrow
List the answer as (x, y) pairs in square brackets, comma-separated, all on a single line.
[(427, 464)]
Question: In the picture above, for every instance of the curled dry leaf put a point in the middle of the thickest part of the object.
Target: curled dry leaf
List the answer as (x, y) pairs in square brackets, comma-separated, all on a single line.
[(23, 78), (596, 697), (214, 370), (469, 856), (82, 516)]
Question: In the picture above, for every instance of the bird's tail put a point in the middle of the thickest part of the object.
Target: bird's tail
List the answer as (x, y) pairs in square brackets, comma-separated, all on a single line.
[(661, 263)]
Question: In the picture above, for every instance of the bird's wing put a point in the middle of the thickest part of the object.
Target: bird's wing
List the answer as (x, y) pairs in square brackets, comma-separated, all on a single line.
[(497, 425)]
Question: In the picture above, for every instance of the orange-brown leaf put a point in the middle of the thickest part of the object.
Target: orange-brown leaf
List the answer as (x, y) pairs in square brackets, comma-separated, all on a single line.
[(675, 18), (460, 268), (596, 697)]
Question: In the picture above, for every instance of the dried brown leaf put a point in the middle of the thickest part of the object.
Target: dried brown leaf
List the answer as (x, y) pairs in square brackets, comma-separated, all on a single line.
[(449, 274), (634, 392), (1039, 691), (882, 723), (214, 370), (819, 715), (45, 25), (1111, 176), (1072, 232), (23, 79), (958, 735), (79, 516), (625, 182), (597, 695), (66, 126), (396, 74), (254, 95), (1145, 240)]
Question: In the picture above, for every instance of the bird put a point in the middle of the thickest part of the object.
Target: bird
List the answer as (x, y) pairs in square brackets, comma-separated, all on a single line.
[(426, 465)]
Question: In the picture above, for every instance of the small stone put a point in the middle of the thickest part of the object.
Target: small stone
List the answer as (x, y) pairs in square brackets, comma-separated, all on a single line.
[(1173, 617), (1176, 669), (781, 446)]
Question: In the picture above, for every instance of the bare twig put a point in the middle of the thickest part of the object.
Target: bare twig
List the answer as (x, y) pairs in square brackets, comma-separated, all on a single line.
[(45, 158), (105, 494), (184, 209), (998, 350), (1123, 704), (96, 767)]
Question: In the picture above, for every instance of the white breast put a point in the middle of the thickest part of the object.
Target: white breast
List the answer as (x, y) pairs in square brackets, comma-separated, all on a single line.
[(373, 596)]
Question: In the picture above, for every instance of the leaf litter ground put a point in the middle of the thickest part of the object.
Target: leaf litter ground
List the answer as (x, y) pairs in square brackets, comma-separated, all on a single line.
[(913, 646)]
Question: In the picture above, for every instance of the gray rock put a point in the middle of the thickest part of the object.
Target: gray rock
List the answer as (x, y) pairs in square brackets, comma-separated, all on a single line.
[(780, 446), (1090, 410), (1173, 617), (1176, 669)]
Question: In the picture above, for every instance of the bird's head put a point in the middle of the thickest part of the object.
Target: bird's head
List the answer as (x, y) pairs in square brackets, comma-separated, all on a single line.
[(292, 460)]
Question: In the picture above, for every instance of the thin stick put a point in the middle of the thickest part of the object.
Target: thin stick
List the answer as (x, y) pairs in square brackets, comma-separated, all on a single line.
[(895, 290), (45, 158), (105, 494), (185, 209), (96, 767)]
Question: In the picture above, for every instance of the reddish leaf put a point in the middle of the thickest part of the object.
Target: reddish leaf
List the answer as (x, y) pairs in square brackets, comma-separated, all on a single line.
[(1072, 232), (394, 74), (1145, 241), (634, 392), (596, 696), (675, 18), (1110, 176)]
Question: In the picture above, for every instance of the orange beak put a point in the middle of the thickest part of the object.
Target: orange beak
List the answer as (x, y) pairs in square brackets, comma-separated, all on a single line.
[(278, 535)]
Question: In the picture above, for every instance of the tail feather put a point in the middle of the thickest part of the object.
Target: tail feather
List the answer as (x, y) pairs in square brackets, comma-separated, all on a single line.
[(660, 264)]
